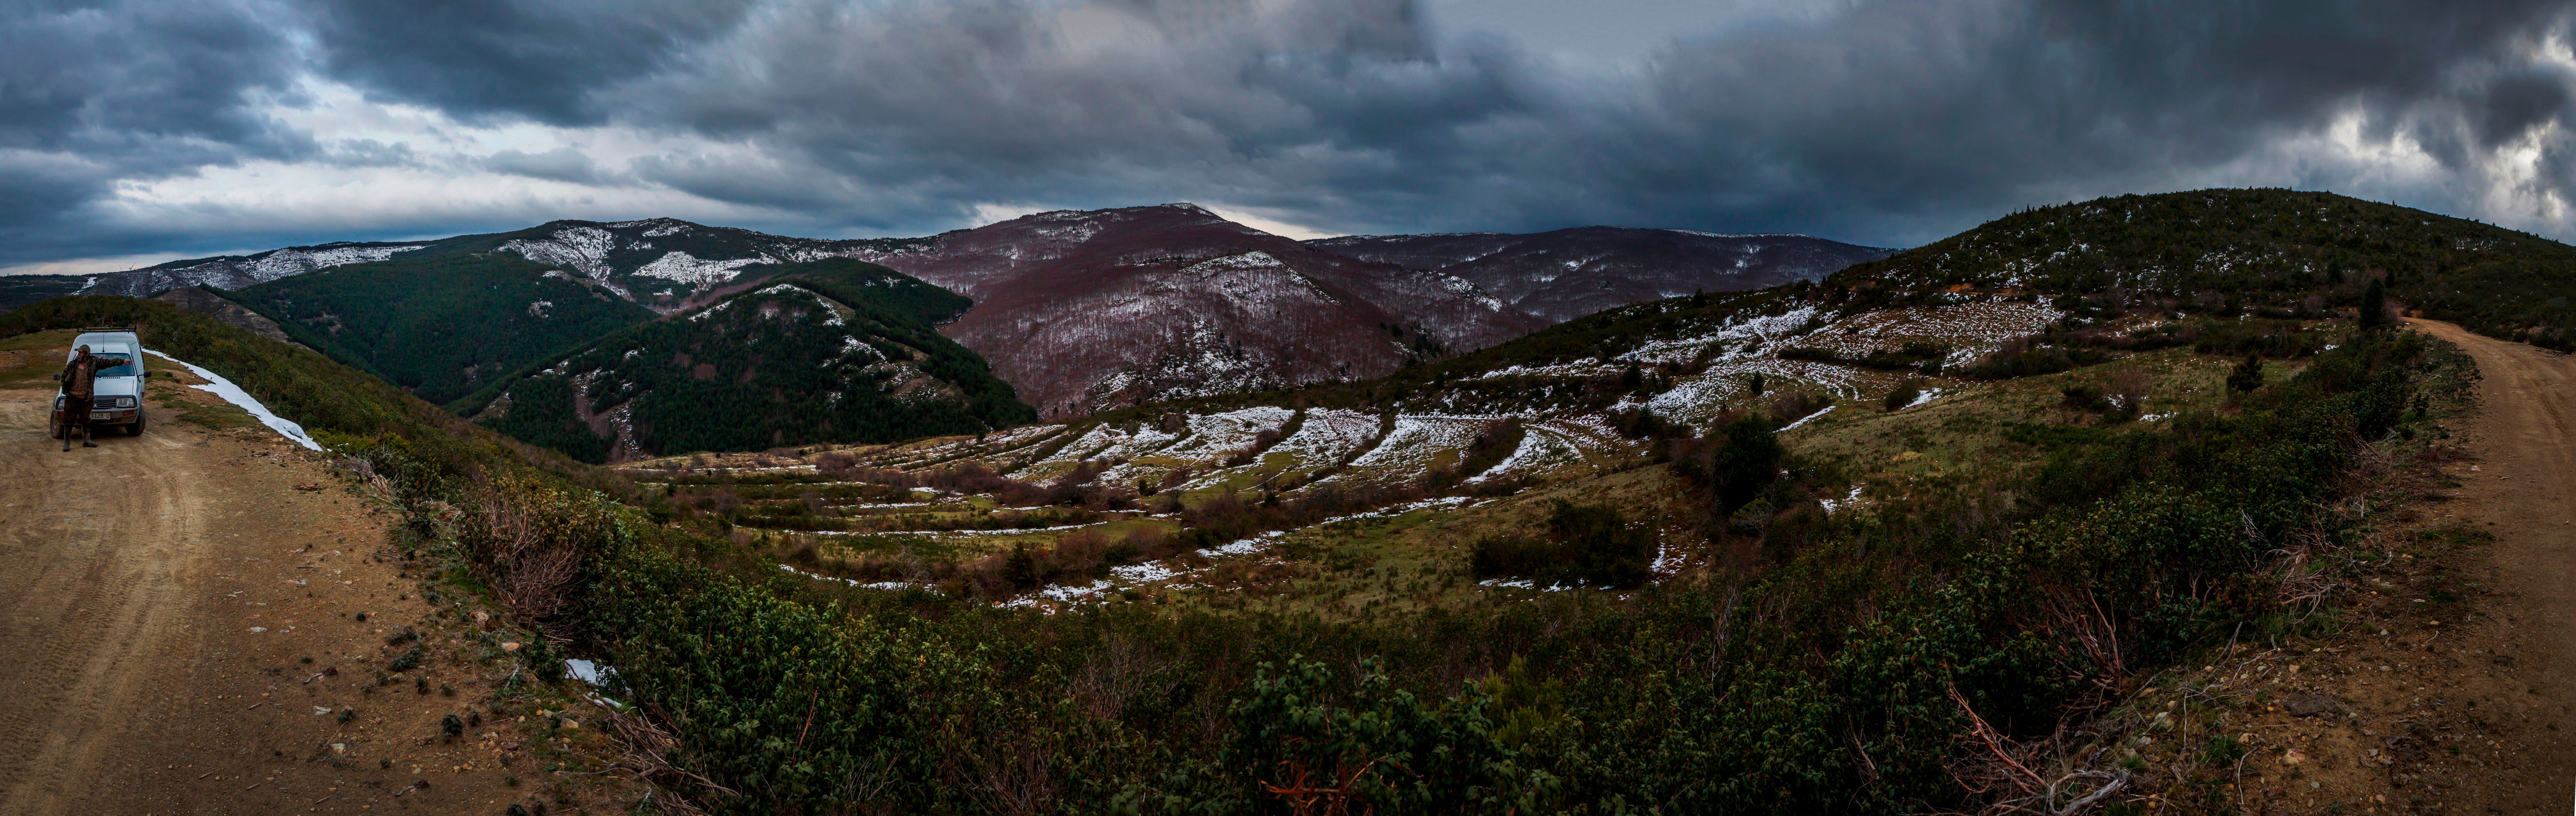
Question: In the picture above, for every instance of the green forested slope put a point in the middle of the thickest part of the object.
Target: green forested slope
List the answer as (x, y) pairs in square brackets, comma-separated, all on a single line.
[(440, 324), (832, 351)]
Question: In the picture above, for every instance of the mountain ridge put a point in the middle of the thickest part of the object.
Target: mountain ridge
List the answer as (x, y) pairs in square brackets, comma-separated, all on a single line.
[(1563, 274)]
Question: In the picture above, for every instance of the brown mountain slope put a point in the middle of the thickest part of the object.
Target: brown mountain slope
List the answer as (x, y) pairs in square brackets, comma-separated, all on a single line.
[(1085, 311)]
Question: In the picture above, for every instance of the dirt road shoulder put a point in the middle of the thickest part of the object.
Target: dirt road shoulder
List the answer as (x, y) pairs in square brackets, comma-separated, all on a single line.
[(204, 619)]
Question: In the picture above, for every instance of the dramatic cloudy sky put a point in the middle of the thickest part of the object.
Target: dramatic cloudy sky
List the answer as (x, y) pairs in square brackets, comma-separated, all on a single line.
[(139, 131)]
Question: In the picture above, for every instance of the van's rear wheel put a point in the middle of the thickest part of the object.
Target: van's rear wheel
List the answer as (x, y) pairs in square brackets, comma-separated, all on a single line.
[(58, 428)]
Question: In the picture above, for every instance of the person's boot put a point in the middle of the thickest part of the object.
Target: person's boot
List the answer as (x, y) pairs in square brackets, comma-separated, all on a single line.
[(67, 440), (85, 438)]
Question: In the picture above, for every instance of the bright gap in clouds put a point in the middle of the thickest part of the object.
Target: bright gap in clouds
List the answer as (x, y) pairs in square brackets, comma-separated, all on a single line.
[(101, 266), (1619, 34), (990, 213)]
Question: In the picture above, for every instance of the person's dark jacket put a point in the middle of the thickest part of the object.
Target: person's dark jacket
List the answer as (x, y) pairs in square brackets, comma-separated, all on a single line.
[(80, 380)]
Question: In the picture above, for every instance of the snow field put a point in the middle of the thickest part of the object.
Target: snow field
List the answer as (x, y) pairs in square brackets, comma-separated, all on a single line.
[(685, 268), (1214, 436), (1416, 443), (1327, 435)]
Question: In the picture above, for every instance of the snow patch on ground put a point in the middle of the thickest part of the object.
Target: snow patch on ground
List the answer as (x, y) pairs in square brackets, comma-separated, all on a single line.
[(1327, 435), (291, 262), (686, 268), (583, 249), (1832, 505), (217, 385), (1410, 449), (1805, 419)]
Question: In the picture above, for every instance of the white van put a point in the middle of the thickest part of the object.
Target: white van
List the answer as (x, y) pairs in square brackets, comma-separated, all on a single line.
[(117, 397)]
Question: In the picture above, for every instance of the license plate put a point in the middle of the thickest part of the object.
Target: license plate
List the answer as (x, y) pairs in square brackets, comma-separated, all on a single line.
[(98, 414)]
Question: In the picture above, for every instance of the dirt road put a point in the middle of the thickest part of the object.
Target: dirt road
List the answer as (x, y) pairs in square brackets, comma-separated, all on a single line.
[(166, 602), (2523, 489)]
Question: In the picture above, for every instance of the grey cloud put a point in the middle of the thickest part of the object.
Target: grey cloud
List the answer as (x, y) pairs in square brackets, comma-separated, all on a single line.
[(1914, 112), (2517, 103), (534, 58), (367, 153), (559, 164), (1891, 122), (1880, 122), (993, 100), (93, 93)]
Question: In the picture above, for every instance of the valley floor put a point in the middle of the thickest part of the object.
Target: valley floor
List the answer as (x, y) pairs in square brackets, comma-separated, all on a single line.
[(164, 600)]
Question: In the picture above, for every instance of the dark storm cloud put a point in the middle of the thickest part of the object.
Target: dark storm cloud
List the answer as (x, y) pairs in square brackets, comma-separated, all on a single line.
[(1914, 111), (1877, 122), (533, 58), (1890, 122), (91, 93), (951, 104)]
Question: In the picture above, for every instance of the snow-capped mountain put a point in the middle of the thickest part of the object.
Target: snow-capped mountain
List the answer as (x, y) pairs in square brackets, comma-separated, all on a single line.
[(668, 264), (1570, 273), (665, 264), (1090, 310), (238, 271)]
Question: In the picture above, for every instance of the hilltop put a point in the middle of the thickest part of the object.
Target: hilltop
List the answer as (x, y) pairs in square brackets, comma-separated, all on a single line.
[(1091, 310)]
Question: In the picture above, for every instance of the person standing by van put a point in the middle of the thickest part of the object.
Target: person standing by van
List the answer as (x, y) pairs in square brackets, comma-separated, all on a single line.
[(80, 384)]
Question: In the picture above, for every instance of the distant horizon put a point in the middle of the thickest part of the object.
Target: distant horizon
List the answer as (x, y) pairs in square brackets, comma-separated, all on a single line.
[(30, 268), (150, 132), (15, 271)]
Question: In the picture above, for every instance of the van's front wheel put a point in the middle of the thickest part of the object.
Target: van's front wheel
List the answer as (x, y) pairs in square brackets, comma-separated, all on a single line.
[(135, 429)]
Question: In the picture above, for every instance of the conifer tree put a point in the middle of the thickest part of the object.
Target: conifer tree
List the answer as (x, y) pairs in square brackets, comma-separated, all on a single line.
[(2247, 376), (2374, 305)]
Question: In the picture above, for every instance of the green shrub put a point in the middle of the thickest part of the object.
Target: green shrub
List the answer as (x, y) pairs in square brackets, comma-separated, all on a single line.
[(1905, 394), (1585, 544)]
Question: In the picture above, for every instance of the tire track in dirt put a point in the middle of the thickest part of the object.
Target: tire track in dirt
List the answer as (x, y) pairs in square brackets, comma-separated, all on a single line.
[(2525, 487), (87, 577), (164, 600)]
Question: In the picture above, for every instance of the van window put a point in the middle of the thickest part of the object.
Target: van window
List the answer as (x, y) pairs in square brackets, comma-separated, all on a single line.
[(116, 365)]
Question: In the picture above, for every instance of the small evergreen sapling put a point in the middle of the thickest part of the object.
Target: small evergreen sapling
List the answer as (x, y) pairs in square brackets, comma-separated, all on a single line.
[(2374, 305), (2247, 376)]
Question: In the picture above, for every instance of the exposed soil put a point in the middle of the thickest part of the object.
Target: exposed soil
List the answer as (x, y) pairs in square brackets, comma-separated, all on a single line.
[(180, 633), (2447, 690)]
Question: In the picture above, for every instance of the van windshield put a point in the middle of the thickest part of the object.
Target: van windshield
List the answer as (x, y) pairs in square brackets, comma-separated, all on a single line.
[(116, 365)]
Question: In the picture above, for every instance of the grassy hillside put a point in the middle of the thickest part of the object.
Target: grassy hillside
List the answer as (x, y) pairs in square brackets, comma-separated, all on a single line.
[(833, 351), (2274, 252), (440, 324)]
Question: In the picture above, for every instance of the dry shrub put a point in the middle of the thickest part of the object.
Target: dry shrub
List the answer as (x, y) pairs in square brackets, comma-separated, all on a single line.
[(1152, 543), (527, 540), (1077, 553), (1793, 407), (2128, 391), (1114, 675)]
